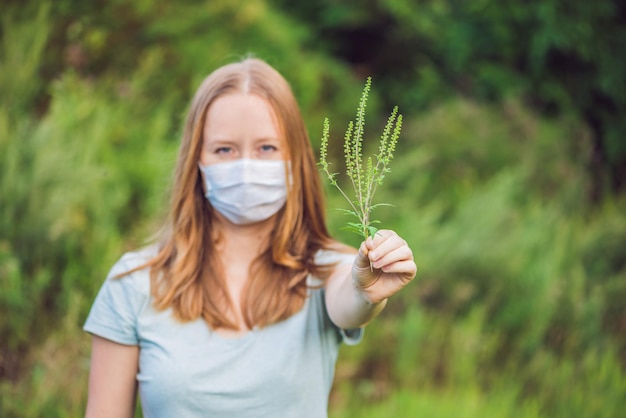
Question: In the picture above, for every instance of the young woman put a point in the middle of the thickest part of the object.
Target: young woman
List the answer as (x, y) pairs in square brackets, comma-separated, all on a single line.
[(240, 309)]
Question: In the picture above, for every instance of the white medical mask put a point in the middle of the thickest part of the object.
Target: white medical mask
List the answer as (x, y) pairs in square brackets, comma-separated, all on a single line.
[(245, 190)]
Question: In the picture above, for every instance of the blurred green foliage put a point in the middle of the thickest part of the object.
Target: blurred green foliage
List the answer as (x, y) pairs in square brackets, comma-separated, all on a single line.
[(562, 55), (511, 124)]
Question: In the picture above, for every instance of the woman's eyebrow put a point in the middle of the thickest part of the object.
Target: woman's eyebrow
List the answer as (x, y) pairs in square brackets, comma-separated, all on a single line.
[(219, 140)]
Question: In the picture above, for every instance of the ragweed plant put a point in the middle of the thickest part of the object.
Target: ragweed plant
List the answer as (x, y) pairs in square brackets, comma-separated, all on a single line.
[(365, 175)]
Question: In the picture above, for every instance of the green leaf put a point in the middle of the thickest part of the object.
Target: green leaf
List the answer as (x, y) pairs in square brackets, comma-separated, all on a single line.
[(381, 204), (348, 212)]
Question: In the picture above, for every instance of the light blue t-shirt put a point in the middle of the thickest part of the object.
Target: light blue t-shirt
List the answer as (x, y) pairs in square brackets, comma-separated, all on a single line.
[(187, 370)]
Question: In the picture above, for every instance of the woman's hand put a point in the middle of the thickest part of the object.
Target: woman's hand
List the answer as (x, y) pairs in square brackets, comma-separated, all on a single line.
[(357, 293), (383, 266)]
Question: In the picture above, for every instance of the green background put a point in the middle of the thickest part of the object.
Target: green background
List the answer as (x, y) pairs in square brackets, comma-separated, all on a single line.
[(508, 183)]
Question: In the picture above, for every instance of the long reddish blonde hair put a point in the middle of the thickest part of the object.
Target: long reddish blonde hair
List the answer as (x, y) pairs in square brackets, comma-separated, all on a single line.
[(186, 274)]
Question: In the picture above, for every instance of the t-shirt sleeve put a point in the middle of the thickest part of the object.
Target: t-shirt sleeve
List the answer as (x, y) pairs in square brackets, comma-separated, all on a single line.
[(115, 310)]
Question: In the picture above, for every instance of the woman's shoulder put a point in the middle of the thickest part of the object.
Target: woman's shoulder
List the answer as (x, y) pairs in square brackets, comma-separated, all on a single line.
[(328, 259), (337, 253), (122, 297), (125, 271), (138, 257)]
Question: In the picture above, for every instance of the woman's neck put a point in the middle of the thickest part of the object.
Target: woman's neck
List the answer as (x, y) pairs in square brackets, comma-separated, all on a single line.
[(238, 246), (242, 244)]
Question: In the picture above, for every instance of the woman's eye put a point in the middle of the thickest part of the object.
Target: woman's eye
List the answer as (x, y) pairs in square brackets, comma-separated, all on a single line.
[(223, 150), (268, 148)]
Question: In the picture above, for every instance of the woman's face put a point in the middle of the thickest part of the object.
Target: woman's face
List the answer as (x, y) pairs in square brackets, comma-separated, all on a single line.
[(241, 125)]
